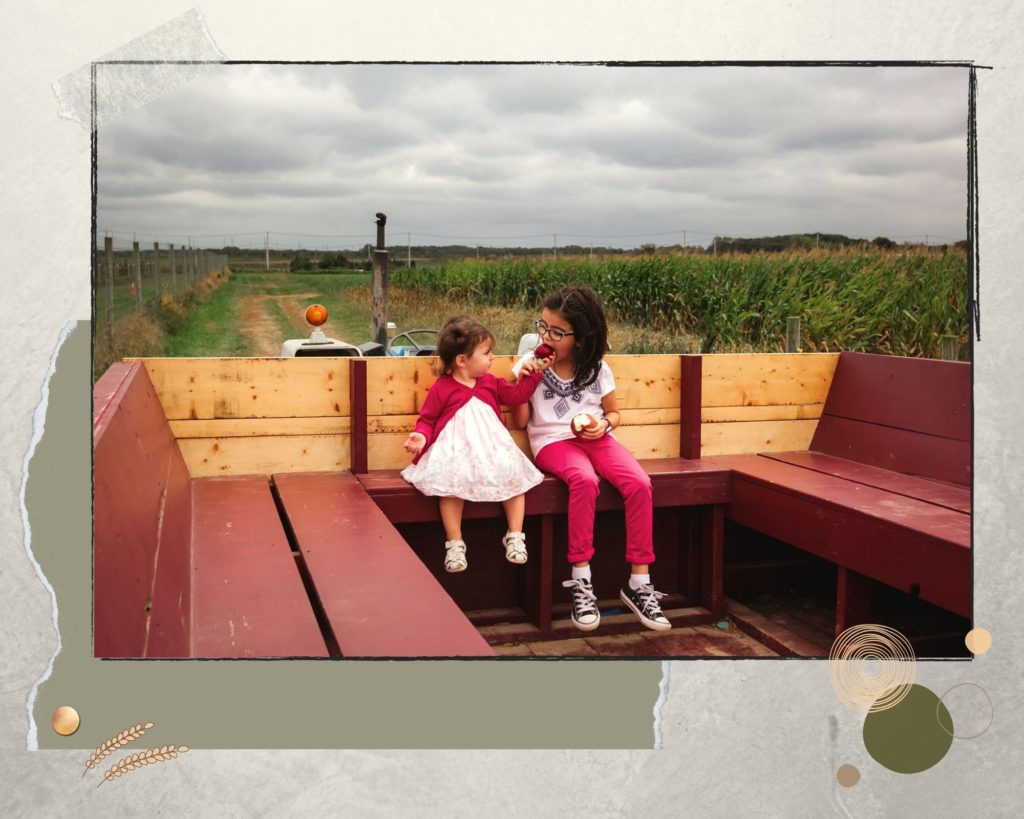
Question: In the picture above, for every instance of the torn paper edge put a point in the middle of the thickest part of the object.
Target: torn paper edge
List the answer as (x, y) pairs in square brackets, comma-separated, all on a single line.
[(171, 54), (38, 429), (662, 697)]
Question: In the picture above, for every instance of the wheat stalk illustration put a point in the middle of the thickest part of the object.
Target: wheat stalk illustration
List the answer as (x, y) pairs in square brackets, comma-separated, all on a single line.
[(112, 744), (130, 763)]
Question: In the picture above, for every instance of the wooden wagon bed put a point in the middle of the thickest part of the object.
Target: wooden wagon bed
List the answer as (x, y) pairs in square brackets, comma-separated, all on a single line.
[(253, 507)]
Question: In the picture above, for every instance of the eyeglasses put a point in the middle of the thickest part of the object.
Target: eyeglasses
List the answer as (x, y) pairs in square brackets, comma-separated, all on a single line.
[(553, 332)]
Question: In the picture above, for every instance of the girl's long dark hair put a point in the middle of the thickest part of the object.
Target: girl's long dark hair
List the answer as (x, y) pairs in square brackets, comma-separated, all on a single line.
[(581, 307), (459, 335)]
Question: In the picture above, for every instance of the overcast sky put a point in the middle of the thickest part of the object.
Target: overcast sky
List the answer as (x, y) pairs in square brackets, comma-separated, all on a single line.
[(512, 155)]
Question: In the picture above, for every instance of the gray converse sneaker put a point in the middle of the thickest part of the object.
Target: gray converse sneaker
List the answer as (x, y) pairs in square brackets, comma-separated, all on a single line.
[(584, 613), (455, 556), (644, 603)]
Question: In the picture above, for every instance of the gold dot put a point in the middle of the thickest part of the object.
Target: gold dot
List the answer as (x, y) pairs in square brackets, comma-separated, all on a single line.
[(847, 776), (65, 720), (978, 641)]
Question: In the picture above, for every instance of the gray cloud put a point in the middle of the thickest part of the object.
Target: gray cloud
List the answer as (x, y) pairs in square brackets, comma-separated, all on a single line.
[(506, 151)]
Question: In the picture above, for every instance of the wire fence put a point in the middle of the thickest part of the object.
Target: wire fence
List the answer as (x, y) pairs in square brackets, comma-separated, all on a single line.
[(292, 242)]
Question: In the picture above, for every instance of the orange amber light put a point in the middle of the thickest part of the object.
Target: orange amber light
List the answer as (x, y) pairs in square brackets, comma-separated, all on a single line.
[(316, 314)]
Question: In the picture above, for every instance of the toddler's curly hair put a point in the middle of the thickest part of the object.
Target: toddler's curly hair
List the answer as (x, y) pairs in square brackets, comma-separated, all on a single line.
[(460, 335)]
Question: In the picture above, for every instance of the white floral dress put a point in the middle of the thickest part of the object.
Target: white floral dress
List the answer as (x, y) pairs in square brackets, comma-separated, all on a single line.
[(473, 458)]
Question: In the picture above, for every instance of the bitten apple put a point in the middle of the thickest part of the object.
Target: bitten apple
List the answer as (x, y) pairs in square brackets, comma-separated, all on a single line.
[(543, 351), (583, 422)]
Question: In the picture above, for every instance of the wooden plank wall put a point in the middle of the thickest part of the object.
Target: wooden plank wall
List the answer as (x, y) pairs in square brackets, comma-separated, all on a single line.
[(256, 416), (244, 416), (647, 388), (766, 402)]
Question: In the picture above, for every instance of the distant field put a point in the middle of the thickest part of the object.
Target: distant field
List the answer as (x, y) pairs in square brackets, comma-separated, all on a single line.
[(894, 302), (888, 302)]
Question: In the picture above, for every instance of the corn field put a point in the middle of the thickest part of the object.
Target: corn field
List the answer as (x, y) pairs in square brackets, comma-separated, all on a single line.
[(891, 302)]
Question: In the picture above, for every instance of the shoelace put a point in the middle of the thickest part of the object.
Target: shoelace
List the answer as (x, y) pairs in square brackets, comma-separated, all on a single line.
[(649, 598), (583, 597)]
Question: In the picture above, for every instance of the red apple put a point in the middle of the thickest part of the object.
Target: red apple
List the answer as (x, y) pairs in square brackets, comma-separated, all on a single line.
[(582, 422), (543, 351)]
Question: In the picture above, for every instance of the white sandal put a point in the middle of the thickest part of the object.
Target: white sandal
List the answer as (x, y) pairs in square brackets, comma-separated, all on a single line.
[(455, 556), (515, 547)]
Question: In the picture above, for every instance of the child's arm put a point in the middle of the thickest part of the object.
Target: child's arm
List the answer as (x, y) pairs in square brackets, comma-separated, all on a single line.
[(423, 432), (520, 415), (520, 392)]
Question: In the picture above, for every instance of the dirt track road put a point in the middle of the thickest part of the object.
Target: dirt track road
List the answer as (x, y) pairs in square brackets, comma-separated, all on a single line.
[(264, 331)]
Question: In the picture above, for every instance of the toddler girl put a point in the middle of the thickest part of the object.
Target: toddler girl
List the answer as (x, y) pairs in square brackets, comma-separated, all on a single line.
[(579, 381), (461, 447)]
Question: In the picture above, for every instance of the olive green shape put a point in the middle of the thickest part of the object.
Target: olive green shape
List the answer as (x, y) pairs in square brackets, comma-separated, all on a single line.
[(913, 735)]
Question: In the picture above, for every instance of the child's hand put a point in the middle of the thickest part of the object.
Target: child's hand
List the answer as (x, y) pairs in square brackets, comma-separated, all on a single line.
[(602, 428), (414, 443), (535, 365)]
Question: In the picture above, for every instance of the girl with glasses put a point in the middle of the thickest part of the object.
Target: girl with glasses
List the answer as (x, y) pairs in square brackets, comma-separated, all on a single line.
[(461, 447), (577, 381)]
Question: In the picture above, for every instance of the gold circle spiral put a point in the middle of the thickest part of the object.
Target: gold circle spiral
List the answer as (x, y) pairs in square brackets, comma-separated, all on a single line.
[(871, 667)]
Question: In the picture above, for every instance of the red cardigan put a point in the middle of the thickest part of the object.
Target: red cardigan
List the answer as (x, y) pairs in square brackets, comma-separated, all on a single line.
[(447, 396)]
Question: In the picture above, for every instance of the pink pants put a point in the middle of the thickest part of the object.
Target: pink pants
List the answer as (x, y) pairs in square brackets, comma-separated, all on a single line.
[(579, 463)]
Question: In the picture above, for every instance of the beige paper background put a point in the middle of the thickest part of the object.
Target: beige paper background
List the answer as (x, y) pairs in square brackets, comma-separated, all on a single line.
[(747, 737)]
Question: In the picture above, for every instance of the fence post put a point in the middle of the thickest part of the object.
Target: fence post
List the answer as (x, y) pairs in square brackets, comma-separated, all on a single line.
[(108, 249), (379, 297), (156, 271), (793, 334), (174, 275), (138, 277), (950, 348)]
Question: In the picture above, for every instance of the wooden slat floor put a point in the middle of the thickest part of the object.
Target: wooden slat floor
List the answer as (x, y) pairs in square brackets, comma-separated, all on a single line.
[(681, 642)]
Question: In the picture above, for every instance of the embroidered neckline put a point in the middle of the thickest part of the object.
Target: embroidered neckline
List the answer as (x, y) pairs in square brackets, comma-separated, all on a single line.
[(556, 385)]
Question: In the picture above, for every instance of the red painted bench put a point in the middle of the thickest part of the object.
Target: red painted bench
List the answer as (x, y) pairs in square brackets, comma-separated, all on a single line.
[(248, 595), (884, 489), (378, 596), (142, 518), (205, 567)]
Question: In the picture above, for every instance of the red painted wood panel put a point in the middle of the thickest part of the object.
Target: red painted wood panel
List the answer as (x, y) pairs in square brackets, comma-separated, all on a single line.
[(140, 520), (379, 597), (106, 392), (249, 599), (947, 527), (690, 392), (357, 403), (957, 498), (912, 453), (905, 543), (675, 482), (170, 619), (919, 394)]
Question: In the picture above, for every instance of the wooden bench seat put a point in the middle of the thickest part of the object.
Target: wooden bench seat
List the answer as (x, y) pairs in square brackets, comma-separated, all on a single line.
[(674, 481), (247, 594), (884, 488), (379, 598), (913, 545), (946, 495)]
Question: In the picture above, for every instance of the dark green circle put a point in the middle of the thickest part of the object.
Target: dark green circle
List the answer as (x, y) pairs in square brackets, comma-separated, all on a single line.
[(911, 736)]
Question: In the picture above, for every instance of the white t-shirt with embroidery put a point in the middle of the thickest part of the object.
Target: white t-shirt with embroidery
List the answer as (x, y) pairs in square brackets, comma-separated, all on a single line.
[(555, 403)]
